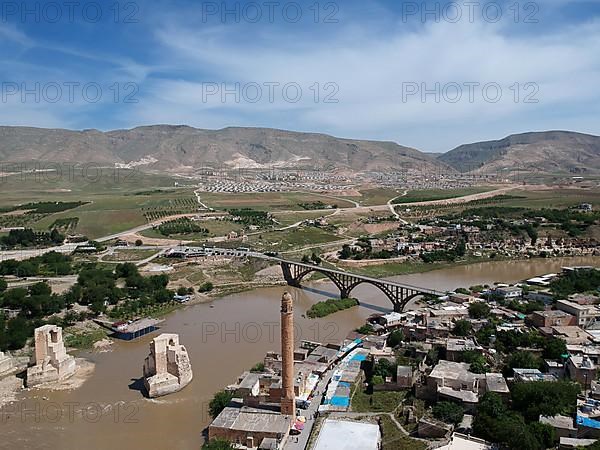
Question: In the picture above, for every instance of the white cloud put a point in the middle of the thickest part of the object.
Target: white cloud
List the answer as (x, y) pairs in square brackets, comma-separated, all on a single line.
[(370, 72)]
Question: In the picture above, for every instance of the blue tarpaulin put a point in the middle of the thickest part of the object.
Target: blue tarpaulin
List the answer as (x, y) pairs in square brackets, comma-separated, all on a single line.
[(587, 422), (359, 357), (340, 401)]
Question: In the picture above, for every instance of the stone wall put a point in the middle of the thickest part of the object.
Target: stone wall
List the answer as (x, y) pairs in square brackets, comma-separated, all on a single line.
[(51, 362), (167, 368)]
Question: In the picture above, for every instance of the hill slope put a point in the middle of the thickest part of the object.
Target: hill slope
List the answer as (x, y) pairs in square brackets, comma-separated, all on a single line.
[(550, 152), (182, 148)]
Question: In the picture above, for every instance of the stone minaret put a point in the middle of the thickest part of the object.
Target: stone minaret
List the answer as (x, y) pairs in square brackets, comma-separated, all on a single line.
[(288, 398)]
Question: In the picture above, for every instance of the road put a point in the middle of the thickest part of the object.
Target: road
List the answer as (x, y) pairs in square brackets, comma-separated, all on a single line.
[(390, 204)]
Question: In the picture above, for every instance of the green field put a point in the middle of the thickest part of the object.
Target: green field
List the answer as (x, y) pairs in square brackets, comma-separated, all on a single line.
[(290, 239), (113, 205), (268, 201), (558, 198), (377, 196), (427, 195)]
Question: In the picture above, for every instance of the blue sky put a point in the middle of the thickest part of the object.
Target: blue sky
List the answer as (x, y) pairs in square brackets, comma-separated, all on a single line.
[(430, 76)]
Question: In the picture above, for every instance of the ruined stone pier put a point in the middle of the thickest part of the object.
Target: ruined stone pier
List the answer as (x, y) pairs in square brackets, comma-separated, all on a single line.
[(51, 362), (167, 368)]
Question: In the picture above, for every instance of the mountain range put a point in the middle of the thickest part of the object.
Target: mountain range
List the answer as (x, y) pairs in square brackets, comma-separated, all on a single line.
[(546, 152), (181, 149)]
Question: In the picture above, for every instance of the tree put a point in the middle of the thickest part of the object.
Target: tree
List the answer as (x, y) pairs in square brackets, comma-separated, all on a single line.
[(139, 243), (3, 285), (315, 258), (476, 360), (395, 338), (479, 310), (544, 398), (126, 270), (544, 432), (182, 291), (554, 348), (206, 287), (366, 329), (217, 444), (346, 252), (17, 332), (522, 360), (462, 328), (219, 402), (377, 380), (385, 368), (448, 412), (305, 259)]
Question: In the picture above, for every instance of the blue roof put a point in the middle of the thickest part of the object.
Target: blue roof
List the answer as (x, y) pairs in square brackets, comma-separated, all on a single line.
[(587, 422), (340, 401), (359, 357)]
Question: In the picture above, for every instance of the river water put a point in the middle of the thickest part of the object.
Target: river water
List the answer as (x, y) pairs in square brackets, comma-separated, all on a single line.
[(223, 339)]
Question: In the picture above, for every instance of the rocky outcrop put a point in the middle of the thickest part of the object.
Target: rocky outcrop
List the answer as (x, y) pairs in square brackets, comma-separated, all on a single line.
[(167, 368), (6, 363), (51, 363)]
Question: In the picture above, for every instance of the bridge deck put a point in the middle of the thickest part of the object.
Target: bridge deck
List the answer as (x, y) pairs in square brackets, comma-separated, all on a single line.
[(361, 277)]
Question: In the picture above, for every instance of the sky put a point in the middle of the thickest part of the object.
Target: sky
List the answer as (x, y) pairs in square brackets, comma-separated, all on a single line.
[(429, 75)]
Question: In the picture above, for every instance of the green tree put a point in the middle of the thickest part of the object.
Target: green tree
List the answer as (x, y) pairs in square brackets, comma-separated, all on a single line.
[(219, 402), (3, 285), (18, 330), (544, 398), (377, 380), (217, 444), (477, 361), (206, 287), (395, 338), (448, 412), (554, 348), (315, 258), (126, 270), (479, 310), (522, 360), (462, 328), (182, 291)]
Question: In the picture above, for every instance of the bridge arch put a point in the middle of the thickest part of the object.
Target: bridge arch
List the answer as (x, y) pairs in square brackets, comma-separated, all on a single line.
[(331, 275), (397, 293)]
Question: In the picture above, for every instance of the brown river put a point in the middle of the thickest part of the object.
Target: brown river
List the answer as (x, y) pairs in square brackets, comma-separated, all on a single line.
[(223, 339)]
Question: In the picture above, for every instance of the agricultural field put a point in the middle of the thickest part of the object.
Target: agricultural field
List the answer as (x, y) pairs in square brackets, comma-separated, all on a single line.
[(128, 255), (519, 198), (115, 200), (269, 201), (279, 241), (376, 196), (427, 195)]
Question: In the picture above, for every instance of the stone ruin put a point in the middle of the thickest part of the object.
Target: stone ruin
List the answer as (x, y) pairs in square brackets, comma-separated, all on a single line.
[(6, 363), (167, 368), (51, 361)]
